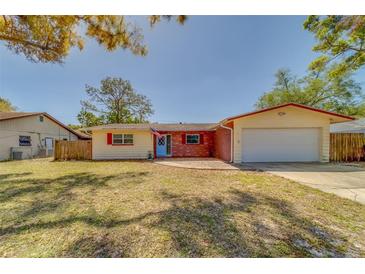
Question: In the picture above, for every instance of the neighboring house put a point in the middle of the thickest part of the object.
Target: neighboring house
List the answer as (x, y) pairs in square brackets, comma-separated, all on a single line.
[(285, 133), (32, 133), (357, 126)]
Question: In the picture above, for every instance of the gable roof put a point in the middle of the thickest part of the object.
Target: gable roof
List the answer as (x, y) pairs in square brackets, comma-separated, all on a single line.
[(287, 105), (13, 115), (17, 115), (357, 126), (159, 127), (209, 126)]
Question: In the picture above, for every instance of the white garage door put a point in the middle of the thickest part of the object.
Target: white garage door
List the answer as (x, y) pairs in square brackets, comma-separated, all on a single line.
[(280, 145)]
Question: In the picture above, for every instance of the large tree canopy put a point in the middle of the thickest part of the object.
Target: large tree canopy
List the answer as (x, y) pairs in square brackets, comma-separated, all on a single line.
[(341, 94), (50, 38), (6, 106), (114, 102), (87, 118), (341, 40)]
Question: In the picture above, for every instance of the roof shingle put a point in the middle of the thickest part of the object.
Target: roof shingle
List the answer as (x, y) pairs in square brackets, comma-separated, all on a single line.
[(157, 126), (12, 115)]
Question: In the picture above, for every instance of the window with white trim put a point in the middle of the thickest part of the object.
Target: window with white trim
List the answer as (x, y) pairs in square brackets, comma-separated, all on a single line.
[(122, 139), (192, 139)]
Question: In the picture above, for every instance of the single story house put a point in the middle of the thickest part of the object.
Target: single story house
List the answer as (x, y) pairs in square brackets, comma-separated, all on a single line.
[(357, 126), (31, 134), (285, 133)]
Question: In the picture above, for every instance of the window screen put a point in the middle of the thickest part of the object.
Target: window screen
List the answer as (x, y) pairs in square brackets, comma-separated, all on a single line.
[(192, 138)]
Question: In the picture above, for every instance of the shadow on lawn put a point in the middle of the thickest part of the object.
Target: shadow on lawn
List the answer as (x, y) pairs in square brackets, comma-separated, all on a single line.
[(207, 228), (201, 228), (12, 175), (242, 224), (98, 246), (50, 194), (61, 186)]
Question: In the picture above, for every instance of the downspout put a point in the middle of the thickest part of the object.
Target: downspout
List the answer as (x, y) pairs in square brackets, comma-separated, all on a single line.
[(231, 131)]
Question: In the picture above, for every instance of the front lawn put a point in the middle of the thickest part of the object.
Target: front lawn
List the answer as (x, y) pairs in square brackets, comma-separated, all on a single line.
[(141, 209)]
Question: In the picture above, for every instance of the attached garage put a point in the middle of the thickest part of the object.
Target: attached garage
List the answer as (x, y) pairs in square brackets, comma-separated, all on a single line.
[(285, 133), (281, 145)]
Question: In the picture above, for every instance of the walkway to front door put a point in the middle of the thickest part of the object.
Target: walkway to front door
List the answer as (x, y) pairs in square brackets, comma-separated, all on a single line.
[(198, 163), (163, 145)]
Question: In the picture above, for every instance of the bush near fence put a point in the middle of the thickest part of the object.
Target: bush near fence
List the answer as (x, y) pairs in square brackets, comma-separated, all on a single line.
[(73, 150), (347, 147)]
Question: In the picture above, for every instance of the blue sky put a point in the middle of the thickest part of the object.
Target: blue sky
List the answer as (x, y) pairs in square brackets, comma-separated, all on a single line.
[(208, 69)]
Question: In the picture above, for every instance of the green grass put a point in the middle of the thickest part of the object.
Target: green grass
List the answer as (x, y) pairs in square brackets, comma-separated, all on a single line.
[(141, 209)]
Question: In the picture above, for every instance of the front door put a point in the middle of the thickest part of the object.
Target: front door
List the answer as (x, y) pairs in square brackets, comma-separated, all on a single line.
[(49, 143), (163, 145), (49, 146)]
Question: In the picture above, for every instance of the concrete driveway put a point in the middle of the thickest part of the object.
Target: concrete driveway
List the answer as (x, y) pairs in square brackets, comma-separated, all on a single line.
[(342, 180)]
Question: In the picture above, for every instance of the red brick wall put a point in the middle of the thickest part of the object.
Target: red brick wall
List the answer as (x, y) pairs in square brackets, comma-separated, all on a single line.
[(223, 143), (179, 149)]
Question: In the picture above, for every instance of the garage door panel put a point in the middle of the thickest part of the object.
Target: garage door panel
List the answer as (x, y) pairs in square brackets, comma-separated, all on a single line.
[(280, 145)]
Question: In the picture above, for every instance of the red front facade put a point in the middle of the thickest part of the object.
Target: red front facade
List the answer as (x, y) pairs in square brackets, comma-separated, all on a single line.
[(179, 147), (222, 142)]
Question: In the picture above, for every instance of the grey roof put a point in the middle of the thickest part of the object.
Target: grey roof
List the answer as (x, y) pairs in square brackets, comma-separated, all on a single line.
[(158, 126), (82, 134), (13, 115), (121, 126), (185, 127), (356, 126), (16, 115)]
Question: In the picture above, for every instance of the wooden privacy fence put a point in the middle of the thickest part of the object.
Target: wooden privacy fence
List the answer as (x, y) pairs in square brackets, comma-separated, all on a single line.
[(347, 147), (72, 150)]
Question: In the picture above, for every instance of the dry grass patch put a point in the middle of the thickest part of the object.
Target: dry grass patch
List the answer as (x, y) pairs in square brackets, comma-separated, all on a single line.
[(140, 209)]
